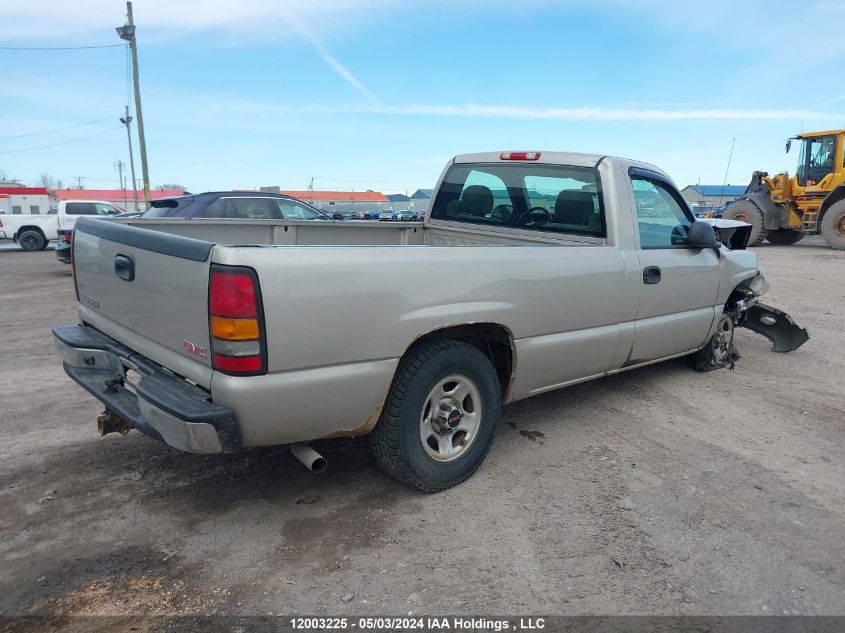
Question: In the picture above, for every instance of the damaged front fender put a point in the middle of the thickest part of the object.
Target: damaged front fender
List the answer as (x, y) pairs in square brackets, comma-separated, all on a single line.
[(776, 325)]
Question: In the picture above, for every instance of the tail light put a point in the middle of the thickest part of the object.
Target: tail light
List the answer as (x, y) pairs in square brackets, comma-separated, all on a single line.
[(236, 322), (519, 156)]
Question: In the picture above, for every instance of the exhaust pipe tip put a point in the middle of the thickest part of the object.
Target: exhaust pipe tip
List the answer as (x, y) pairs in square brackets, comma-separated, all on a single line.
[(309, 458)]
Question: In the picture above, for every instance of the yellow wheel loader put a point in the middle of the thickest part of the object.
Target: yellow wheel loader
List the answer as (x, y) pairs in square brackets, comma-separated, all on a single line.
[(783, 210)]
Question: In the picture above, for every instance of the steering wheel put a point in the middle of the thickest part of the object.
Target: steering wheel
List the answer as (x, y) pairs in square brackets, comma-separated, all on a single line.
[(528, 216), (502, 212)]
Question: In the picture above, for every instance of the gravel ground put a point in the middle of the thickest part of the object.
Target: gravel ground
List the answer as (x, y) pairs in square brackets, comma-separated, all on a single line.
[(659, 491)]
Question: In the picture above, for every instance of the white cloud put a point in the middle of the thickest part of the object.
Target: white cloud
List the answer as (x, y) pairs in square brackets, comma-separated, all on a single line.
[(335, 65)]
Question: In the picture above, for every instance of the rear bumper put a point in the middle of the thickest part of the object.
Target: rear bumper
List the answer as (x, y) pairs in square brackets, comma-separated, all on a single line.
[(63, 253), (159, 404)]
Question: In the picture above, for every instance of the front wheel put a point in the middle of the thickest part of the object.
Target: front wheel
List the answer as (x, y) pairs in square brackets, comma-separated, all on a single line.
[(440, 416), (833, 225), (719, 351)]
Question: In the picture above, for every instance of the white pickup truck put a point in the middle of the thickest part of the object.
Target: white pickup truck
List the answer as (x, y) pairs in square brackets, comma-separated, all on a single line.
[(34, 232), (531, 271)]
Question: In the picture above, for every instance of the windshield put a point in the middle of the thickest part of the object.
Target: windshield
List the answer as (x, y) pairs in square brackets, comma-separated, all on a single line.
[(555, 198)]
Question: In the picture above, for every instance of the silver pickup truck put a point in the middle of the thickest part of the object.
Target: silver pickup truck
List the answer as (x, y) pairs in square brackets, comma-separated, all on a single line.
[(532, 271)]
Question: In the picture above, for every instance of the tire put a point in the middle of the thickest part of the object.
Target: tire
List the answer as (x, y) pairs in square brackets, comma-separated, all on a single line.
[(719, 351), (31, 240), (833, 225), (747, 211), (785, 236), (412, 411)]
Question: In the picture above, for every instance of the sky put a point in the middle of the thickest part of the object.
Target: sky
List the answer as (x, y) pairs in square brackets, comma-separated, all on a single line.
[(378, 94)]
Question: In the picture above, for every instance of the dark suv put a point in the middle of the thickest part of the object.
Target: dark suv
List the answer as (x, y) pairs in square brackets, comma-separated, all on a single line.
[(243, 205)]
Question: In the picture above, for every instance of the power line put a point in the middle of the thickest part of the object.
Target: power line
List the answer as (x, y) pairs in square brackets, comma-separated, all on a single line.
[(56, 48), (76, 140), (58, 129)]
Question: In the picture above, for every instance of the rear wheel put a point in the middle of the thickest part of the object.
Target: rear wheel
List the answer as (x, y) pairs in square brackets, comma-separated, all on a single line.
[(784, 236), (32, 240), (747, 211), (440, 416), (833, 225)]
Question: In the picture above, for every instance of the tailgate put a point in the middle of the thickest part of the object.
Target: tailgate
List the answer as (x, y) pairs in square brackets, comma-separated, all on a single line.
[(148, 290)]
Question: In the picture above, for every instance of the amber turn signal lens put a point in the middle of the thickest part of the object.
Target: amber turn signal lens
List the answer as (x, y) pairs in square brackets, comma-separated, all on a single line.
[(234, 329)]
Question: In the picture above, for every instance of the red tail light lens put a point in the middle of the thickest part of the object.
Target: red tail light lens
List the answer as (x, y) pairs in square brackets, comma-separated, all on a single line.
[(232, 294), (236, 321), (237, 364)]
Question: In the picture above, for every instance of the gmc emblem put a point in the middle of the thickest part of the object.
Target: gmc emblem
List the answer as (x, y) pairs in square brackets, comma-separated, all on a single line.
[(196, 350)]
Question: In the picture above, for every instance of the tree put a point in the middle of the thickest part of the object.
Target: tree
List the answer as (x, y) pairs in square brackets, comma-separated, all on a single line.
[(7, 180), (47, 182), (171, 186)]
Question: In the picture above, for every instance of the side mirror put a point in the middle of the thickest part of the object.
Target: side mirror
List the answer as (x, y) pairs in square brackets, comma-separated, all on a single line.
[(702, 235), (788, 145)]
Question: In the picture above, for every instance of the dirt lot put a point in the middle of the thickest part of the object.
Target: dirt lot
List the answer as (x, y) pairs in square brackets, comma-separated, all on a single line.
[(657, 491)]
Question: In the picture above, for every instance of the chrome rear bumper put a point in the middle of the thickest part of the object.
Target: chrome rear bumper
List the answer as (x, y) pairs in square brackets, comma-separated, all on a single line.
[(159, 404)]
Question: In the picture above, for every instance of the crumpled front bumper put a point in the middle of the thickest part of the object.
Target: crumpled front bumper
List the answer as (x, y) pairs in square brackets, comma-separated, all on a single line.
[(776, 325), (159, 404)]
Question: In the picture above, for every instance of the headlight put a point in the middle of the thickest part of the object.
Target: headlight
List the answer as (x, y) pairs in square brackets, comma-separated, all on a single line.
[(759, 286)]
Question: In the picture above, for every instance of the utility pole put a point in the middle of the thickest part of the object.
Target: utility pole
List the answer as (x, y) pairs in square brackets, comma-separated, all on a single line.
[(311, 190), (127, 33), (119, 166), (79, 180), (126, 120)]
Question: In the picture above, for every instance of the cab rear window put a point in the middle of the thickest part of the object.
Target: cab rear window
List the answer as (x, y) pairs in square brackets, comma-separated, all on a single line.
[(553, 198)]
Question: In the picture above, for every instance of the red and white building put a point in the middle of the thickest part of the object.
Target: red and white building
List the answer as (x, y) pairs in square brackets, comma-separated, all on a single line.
[(24, 201)]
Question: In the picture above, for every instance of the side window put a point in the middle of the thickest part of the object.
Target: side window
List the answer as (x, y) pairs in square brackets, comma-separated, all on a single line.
[(80, 208), (251, 208), (662, 220), (34, 209), (105, 209), (216, 209), (822, 151), (16, 209), (292, 210)]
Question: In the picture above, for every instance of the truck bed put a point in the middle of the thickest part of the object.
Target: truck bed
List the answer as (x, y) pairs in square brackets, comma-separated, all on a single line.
[(349, 233)]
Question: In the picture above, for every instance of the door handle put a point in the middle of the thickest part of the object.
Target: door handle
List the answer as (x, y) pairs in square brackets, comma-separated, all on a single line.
[(651, 275), (124, 267)]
